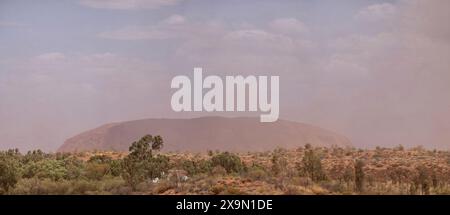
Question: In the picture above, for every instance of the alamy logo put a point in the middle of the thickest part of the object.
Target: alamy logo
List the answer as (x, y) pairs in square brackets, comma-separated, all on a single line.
[(213, 99)]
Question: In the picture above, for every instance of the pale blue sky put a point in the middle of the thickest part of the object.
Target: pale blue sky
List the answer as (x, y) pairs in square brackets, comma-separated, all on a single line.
[(68, 26)]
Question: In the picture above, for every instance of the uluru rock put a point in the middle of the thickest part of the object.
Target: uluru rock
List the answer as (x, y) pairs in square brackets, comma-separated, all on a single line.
[(239, 134)]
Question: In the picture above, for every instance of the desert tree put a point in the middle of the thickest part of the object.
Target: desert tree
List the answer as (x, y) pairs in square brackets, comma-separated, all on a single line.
[(311, 165), (348, 175), (139, 164), (34, 156), (359, 176), (279, 163), (422, 180)]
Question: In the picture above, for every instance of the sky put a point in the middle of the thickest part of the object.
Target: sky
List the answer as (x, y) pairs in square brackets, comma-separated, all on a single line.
[(376, 71)]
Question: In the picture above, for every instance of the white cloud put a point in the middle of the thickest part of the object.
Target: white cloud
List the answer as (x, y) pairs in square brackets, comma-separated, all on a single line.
[(128, 4), (203, 39), (288, 25), (10, 24), (257, 41), (250, 35), (175, 20), (165, 29), (103, 70), (377, 12), (51, 57), (135, 33)]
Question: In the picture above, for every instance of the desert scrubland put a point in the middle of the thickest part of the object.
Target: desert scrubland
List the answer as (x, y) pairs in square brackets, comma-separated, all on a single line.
[(304, 170)]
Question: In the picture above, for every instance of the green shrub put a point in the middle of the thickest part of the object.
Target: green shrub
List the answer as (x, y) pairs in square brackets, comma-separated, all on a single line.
[(194, 167), (156, 165), (74, 167), (231, 162), (100, 159), (115, 167), (218, 171), (106, 163), (9, 172), (96, 171), (279, 163), (51, 169), (311, 166), (256, 172)]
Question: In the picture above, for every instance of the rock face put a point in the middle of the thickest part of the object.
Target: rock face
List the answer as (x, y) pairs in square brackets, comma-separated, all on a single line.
[(207, 133)]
